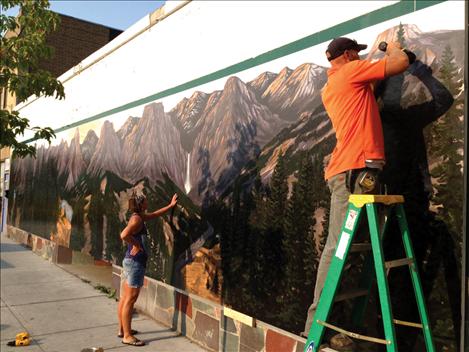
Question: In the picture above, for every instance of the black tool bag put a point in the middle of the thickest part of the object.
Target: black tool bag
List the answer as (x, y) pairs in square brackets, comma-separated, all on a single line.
[(363, 181)]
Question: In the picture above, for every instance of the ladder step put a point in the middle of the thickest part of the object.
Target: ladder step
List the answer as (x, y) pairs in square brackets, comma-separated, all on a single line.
[(327, 349), (398, 262), (350, 294), (360, 247)]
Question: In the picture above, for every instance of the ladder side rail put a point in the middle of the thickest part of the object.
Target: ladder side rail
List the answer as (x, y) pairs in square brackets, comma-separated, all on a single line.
[(414, 274), (334, 275), (383, 288), (368, 278)]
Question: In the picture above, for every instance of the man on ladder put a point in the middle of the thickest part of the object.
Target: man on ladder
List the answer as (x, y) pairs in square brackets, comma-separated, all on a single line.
[(359, 153)]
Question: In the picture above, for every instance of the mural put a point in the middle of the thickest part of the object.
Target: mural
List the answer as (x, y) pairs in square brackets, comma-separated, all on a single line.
[(247, 162)]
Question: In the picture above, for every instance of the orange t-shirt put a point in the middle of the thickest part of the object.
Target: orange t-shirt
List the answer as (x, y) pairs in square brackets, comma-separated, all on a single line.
[(351, 106)]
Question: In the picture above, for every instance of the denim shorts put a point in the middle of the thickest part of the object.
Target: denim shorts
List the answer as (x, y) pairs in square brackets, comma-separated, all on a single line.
[(134, 272)]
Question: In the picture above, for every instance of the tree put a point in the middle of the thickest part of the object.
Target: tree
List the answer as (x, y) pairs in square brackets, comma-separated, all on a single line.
[(95, 217), (401, 35), (448, 138), (271, 234), (297, 244), (20, 73), (77, 237)]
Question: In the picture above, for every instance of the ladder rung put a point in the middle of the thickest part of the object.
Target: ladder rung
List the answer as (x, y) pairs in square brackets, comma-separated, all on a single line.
[(351, 294), (406, 323), (360, 247), (398, 262), (327, 349), (353, 334)]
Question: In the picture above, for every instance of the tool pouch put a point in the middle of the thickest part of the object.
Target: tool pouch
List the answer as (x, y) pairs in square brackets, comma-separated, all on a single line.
[(367, 179)]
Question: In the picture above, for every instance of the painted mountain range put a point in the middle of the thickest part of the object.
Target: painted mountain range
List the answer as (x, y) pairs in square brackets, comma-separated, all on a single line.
[(206, 140)]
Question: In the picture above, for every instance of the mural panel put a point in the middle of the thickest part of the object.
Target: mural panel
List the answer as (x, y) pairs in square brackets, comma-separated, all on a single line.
[(247, 162)]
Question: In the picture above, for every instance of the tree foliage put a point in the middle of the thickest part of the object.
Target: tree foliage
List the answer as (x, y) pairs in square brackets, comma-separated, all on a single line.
[(448, 138), (400, 35), (273, 229), (21, 75), (298, 245)]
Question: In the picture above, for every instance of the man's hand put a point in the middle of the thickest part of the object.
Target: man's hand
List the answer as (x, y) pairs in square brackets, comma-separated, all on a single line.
[(135, 249), (397, 61), (174, 201), (393, 46)]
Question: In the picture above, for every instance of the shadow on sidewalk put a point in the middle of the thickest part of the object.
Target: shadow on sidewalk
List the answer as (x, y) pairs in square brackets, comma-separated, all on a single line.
[(5, 265), (8, 247)]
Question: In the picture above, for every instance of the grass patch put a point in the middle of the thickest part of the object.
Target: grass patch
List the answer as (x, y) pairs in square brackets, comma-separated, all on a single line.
[(109, 292)]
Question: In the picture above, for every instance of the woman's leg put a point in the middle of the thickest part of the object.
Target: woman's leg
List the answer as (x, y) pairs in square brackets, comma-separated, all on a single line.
[(119, 312), (131, 295)]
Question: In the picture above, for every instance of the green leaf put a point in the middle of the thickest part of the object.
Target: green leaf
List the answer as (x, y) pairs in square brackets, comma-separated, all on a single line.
[(23, 47)]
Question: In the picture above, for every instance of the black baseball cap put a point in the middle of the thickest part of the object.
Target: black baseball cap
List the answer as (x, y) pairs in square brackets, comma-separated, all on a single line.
[(339, 45)]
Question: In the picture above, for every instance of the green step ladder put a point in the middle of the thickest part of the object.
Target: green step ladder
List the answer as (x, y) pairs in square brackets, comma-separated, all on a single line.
[(393, 205)]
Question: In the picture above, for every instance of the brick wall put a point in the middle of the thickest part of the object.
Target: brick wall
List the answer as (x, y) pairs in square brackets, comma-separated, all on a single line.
[(73, 41)]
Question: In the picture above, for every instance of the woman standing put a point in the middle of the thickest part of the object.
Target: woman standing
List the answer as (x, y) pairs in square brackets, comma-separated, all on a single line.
[(134, 263)]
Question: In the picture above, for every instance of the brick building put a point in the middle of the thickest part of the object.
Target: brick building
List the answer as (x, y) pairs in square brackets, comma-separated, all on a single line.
[(75, 40)]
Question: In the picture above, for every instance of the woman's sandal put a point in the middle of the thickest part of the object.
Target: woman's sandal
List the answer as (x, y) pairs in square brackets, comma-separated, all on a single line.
[(132, 332), (135, 342)]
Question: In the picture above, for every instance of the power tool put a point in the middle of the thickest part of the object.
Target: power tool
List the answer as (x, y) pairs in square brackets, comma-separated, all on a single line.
[(21, 339), (383, 46)]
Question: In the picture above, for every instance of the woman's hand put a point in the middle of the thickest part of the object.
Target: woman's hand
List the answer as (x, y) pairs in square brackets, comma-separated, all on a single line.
[(174, 201), (159, 212), (135, 249)]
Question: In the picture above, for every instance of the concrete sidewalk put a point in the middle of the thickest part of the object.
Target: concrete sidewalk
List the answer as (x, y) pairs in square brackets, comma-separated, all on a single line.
[(63, 313)]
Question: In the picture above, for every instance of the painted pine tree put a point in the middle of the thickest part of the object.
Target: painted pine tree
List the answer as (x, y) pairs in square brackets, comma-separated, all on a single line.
[(272, 234), (247, 274), (447, 143), (95, 217), (400, 35), (448, 146), (298, 243), (230, 263), (77, 236), (114, 248), (255, 249)]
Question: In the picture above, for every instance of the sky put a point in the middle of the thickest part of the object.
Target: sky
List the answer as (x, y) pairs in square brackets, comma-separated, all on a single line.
[(115, 14)]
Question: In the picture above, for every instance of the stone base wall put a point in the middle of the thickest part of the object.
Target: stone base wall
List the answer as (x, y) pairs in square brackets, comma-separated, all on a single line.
[(49, 250), (204, 322), (199, 319)]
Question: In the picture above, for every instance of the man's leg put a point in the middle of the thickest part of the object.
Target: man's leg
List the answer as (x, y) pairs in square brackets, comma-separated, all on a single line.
[(339, 204)]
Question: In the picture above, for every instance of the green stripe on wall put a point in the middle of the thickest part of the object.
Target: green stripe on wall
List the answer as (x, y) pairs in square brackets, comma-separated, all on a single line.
[(369, 19)]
